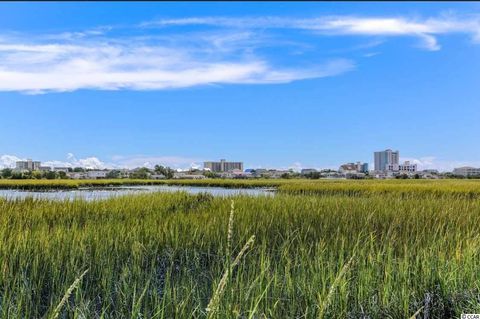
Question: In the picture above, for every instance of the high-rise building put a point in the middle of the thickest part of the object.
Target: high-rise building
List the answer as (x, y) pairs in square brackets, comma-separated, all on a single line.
[(27, 165), (384, 158), (223, 166)]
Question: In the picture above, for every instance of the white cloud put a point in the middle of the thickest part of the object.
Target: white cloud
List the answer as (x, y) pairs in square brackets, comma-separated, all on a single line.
[(153, 56), (130, 162), (424, 29), (181, 163), (144, 63), (72, 161), (8, 161), (176, 162), (371, 54), (88, 162), (432, 162), (297, 166)]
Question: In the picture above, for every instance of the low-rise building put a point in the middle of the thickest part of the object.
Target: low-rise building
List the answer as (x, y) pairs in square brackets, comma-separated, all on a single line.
[(354, 175), (466, 171), (77, 175), (259, 172), (307, 171), (429, 174), (187, 175), (357, 167), (97, 174), (276, 173), (236, 173), (406, 167), (61, 169)]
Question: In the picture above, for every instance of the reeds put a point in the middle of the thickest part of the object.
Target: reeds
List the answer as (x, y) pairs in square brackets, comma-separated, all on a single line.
[(165, 255), (68, 293)]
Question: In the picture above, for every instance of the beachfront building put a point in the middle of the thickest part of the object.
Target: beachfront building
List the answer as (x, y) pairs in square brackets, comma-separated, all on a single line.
[(384, 158), (27, 165), (223, 166)]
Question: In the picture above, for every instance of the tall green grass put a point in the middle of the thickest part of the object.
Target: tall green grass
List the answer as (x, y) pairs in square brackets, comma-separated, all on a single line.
[(338, 255), (33, 184), (405, 188)]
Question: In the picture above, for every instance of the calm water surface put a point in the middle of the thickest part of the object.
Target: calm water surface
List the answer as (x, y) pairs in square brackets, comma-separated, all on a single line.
[(108, 192)]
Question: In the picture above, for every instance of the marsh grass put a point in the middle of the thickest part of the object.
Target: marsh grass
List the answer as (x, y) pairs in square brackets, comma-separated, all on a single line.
[(163, 255), (467, 189), (33, 184), (68, 293)]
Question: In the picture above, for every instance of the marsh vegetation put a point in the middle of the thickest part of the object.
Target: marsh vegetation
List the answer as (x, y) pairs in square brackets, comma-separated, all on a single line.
[(320, 250)]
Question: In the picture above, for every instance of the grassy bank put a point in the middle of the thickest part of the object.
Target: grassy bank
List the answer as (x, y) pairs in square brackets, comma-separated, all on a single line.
[(405, 188), (32, 184), (163, 256)]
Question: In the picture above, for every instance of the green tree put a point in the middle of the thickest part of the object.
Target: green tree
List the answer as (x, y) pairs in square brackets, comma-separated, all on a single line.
[(37, 174), (114, 174), (313, 175), (165, 171), (50, 175), (141, 173), (62, 175), (210, 174), (27, 175), (17, 175), (6, 173)]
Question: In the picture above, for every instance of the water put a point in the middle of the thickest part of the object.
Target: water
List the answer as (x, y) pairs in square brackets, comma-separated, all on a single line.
[(108, 192)]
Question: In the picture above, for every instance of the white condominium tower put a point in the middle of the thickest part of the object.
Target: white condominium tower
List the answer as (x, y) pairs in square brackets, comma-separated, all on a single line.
[(385, 158)]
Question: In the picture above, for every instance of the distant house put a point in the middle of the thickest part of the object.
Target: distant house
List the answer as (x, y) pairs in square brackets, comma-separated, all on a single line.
[(307, 171), (271, 173), (77, 175), (61, 169), (354, 175), (236, 173), (187, 175), (97, 174)]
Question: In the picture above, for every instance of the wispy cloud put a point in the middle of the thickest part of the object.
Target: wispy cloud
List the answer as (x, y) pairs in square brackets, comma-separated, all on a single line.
[(425, 29), (160, 54), (93, 60)]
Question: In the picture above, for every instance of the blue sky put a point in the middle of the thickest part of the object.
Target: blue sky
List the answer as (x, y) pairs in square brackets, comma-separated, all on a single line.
[(272, 84)]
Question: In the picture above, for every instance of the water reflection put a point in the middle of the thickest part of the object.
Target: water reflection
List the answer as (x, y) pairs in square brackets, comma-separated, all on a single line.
[(108, 192)]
